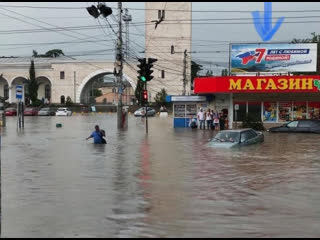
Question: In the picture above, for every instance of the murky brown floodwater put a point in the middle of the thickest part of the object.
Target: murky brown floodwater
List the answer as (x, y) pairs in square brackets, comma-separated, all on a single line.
[(169, 184)]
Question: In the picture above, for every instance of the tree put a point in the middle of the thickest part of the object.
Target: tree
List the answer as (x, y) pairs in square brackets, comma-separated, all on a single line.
[(209, 73), (314, 39), (69, 102), (49, 54), (139, 92), (195, 69), (96, 93), (54, 53), (160, 97), (224, 72), (35, 53), (32, 84)]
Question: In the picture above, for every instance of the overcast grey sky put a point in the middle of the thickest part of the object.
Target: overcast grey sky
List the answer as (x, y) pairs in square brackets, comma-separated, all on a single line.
[(206, 37)]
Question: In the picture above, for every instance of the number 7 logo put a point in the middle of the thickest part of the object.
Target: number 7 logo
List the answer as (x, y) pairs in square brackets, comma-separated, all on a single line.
[(260, 54)]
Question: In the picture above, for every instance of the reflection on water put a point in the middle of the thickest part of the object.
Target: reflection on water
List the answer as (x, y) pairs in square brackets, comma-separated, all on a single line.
[(166, 184)]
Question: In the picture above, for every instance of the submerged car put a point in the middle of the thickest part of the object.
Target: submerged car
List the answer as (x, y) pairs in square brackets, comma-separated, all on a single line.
[(46, 112), (142, 112), (11, 112), (233, 138), (63, 112), (30, 112), (299, 126)]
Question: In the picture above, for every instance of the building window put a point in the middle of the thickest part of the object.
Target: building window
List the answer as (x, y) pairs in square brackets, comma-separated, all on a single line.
[(163, 14), (62, 75), (240, 115), (62, 99), (172, 49), (162, 73), (159, 14), (47, 92), (6, 91)]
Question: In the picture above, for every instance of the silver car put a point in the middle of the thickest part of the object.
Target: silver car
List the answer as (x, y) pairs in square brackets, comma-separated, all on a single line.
[(46, 112), (142, 112)]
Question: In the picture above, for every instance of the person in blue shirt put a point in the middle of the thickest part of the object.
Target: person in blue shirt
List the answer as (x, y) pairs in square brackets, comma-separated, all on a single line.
[(96, 135)]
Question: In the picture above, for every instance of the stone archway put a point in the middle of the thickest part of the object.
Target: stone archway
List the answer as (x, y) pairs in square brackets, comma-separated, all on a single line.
[(45, 88), (101, 72), (4, 88)]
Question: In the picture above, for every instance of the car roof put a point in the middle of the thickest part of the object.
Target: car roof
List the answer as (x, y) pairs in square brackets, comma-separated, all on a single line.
[(237, 130)]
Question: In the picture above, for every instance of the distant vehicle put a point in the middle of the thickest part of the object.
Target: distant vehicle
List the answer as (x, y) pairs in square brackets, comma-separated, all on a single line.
[(11, 112), (46, 112), (142, 112), (299, 126), (233, 138), (63, 112), (30, 112)]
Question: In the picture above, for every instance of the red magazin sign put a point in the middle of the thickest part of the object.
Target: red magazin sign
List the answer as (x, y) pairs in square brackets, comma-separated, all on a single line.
[(261, 84)]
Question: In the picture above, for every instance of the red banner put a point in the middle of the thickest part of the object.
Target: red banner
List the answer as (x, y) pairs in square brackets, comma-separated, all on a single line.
[(257, 84)]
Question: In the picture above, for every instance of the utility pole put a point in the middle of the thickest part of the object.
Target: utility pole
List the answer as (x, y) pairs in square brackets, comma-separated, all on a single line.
[(127, 18), (120, 65), (184, 72), (74, 86)]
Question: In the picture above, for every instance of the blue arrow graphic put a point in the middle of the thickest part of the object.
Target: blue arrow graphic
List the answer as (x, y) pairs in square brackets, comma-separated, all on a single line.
[(264, 25)]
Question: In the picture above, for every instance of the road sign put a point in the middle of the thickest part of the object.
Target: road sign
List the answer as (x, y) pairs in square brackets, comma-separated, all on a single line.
[(19, 91), (236, 107)]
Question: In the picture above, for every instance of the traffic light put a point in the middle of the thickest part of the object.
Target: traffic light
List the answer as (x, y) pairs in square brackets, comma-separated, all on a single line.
[(93, 11), (145, 95), (104, 10), (142, 71), (149, 70)]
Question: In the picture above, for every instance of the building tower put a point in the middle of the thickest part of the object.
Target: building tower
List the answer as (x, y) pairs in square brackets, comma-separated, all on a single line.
[(168, 38)]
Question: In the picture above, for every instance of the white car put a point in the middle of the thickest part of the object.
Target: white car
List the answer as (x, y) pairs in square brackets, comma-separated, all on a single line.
[(63, 112)]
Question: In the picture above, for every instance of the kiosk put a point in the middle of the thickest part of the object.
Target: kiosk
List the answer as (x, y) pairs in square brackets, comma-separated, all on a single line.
[(185, 108)]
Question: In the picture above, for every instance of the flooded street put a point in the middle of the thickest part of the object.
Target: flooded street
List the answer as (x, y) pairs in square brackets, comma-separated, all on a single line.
[(166, 184)]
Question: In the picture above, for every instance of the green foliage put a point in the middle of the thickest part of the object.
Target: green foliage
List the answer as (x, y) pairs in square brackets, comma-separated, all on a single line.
[(49, 54), (95, 93), (252, 122), (139, 92), (209, 73), (36, 103), (224, 72), (195, 69), (69, 102), (32, 84), (314, 39), (160, 98)]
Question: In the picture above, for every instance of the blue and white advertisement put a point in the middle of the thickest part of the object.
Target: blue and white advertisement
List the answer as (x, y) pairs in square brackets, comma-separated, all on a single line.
[(274, 58)]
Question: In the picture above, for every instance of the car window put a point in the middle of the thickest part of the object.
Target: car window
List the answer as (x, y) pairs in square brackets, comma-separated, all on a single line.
[(315, 123), (304, 124), (227, 137), (292, 124), (245, 136), (253, 133)]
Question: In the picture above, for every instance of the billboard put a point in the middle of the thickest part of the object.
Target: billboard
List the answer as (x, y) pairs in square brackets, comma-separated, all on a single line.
[(257, 84), (273, 58)]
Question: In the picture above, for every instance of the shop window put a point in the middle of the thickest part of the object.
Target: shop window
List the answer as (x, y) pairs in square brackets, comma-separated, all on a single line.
[(299, 110), (240, 115), (285, 111), (254, 110), (269, 111), (314, 110)]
